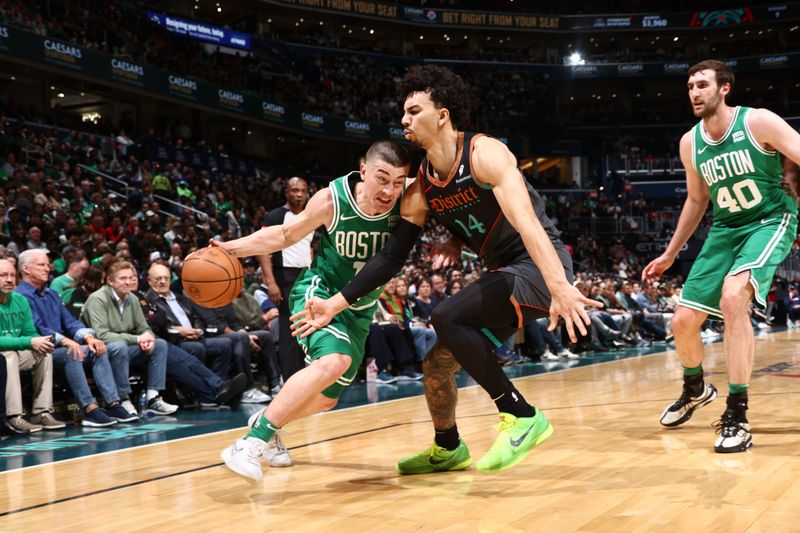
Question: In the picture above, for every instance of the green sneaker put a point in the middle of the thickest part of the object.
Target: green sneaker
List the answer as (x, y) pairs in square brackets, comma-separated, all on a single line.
[(517, 437), (436, 459)]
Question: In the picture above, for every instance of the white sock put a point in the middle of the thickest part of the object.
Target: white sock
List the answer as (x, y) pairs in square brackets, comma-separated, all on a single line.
[(151, 393)]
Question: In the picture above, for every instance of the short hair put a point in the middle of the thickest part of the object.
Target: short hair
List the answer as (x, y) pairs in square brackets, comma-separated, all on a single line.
[(116, 266), (390, 152), (27, 256), (722, 72), (77, 256), (446, 89), (156, 265)]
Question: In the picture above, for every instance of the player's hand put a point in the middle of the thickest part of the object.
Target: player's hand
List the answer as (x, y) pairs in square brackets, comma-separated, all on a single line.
[(569, 303), (317, 314), (445, 254), (657, 266), (219, 244)]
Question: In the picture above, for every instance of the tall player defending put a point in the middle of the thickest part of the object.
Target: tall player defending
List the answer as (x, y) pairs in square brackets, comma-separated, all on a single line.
[(358, 212), (730, 156), (472, 186)]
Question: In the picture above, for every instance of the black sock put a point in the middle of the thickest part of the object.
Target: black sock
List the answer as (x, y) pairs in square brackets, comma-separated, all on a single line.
[(738, 401), (447, 438), (513, 403), (694, 384)]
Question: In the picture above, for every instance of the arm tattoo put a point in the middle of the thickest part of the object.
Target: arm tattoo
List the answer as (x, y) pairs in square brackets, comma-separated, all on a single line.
[(441, 391)]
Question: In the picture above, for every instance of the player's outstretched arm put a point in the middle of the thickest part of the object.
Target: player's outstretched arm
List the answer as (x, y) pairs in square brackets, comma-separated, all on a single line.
[(380, 269), (318, 212), (694, 209), (494, 164)]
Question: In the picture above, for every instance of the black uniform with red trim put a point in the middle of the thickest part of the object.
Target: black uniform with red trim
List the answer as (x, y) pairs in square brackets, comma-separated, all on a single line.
[(469, 209)]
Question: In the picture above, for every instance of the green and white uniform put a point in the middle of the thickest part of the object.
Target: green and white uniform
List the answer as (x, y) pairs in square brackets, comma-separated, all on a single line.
[(754, 218), (352, 239)]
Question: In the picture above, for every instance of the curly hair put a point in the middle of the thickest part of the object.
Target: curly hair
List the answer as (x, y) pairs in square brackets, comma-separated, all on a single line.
[(446, 88)]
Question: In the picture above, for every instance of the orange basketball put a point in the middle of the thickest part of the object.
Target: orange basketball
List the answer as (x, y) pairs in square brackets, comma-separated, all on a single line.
[(212, 277)]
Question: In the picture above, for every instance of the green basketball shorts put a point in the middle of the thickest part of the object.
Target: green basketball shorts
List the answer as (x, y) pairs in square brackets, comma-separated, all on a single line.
[(346, 334), (758, 247)]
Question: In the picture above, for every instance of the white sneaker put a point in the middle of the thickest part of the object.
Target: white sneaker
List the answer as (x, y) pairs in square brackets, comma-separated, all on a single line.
[(128, 406), (569, 355), (157, 406), (549, 356), (255, 396), (243, 458), (276, 454)]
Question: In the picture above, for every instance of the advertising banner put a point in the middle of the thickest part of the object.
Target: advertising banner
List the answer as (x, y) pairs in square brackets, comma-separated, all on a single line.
[(201, 31)]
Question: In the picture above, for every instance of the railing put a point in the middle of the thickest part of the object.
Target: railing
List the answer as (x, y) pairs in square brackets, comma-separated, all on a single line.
[(790, 267), (113, 184), (647, 166)]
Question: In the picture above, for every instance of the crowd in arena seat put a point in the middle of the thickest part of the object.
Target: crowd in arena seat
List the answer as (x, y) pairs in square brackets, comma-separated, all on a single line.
[(331, 80)]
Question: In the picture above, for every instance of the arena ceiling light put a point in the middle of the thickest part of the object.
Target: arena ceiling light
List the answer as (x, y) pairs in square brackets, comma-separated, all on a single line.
[(575, 58)]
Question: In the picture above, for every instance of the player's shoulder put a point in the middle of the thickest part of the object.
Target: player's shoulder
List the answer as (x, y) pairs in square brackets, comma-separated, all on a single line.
[(760, 116), (487, 152), (686, 138)]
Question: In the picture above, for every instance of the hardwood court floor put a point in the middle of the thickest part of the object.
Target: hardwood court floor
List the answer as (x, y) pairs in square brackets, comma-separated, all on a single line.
[(608, 467)]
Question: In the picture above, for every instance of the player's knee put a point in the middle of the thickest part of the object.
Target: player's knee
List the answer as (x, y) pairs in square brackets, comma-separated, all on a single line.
[(334, 365), (686, 321), (733, 302)]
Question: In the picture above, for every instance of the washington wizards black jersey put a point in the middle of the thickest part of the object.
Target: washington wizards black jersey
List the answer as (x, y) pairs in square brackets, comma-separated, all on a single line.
[(470, 210)]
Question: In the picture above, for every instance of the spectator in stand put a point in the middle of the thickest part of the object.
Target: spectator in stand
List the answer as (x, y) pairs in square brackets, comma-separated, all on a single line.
[(65, 284), (422, 304), (423, 335), (792, 302), (116, 316), (175, 319), (5, 429), (257, 323), (23, 348), (188, 371), (123, 142), (51, 318), (35, 239), (389, 344), (645, 324), (453, 286), (438, 294), (92, 280), (537, 334), (223, 322)]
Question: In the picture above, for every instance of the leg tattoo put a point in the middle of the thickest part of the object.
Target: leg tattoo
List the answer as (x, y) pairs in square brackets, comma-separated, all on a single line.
[(441, 392)]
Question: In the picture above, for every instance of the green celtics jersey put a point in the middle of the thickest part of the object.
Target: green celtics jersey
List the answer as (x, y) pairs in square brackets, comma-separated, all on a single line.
[(353, 238), (744, 179)]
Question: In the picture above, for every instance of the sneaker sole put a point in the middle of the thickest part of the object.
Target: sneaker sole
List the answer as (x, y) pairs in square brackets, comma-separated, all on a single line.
[(153, 412), (736, 449), (463, 465), (543, 436), (685, 418), (84, 423), (226, 456)]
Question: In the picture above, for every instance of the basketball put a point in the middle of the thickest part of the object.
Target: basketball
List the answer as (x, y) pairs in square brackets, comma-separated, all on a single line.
[(212, 277)]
